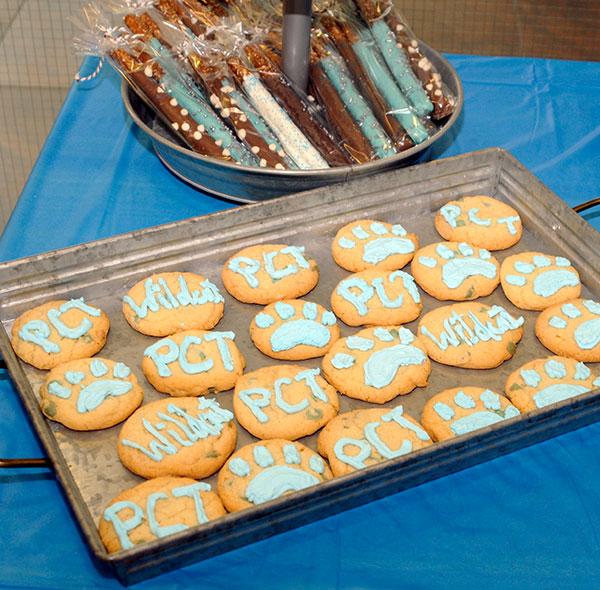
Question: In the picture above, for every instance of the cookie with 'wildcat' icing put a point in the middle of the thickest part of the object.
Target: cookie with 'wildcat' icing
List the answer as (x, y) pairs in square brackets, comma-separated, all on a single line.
[(156, 509), (532, 280), (90, 394), (543, 382), (193, 363), (170, 302), (294, 329), (284, 401), (269, 272), (59, 331), (462, 410), (480, 221), (267, 470), (470, 335), (187, 437), (571, 329), (362, 438), (377, 364), (366, 243), (455, 271), (377, 298)]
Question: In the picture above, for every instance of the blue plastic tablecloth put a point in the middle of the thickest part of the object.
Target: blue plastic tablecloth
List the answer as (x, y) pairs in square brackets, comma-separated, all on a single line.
[(527, 520)]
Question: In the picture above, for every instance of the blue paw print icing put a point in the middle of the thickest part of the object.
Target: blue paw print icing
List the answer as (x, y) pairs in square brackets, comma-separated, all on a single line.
[(484, 409), (297, 323), (586, 314), (106, 384), (546, 275), (458, 262), (266, 480)]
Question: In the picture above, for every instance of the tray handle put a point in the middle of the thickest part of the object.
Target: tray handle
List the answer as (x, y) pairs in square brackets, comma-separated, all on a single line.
[(587, 205)]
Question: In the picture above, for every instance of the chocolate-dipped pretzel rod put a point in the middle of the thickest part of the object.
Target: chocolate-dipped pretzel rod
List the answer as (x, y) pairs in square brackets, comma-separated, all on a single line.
[(339, 33), (294, 142), (177, 14), (395, 57), (299, 110)]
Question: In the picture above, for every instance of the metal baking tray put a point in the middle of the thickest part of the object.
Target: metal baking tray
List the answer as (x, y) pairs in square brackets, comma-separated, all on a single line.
[(86, 463), (245, 184)]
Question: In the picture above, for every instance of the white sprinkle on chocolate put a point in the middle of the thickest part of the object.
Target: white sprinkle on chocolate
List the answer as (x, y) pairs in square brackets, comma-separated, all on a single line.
[(185, 126), (429, 87), (200, 128), (424, 64), (255, 149), (173, 102), (243, 118), (160, 90), (242, 133), (399, 28), (225, 113), (279, 166), (175, 126), (281, 153), (412, 50), (197, 135), (272, 147), (226, 153), (226, 89), (414, 43), (219, 142), (148, 71), (263, 163), (438, 92), (184, 112)]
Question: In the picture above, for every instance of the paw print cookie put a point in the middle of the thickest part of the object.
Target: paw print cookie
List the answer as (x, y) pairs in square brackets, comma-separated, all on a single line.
[(543, 382), (363, 244), (193, 363), (377, 298), (480, 221), (269, 272), (156, 509), (470, 335), (90, 394), (377, 364), (532, 280), (571, 329), (294, 330), (362, 438), (170, 302), (462, 410), (269, 469), (284, 401), (455, 271), (187, 437), (59, 331)]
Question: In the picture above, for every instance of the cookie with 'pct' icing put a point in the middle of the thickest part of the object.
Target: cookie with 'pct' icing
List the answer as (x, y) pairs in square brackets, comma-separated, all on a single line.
[(462, 410), (193, 363), (187, 437), (284, 401), (571, 329), (366, 243), (156, 509), (90, 394), (269, 469), (532, 280), (59, 331), (362, 438), (543, 382), (455, 271), (480, 221), (269, 272), (377, 364), (294, 329), (471, 335), (377, 298), (170, 302)]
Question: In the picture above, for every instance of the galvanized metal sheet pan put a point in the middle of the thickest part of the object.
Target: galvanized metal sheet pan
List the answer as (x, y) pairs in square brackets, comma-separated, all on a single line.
[(86, 463)]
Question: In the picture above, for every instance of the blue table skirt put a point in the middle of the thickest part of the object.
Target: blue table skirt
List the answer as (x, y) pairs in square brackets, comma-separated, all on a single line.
[(528, 520)]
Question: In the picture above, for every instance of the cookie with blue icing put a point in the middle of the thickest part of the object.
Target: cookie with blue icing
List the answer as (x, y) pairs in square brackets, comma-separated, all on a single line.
[(59, 331), (470, 335), (463, 410), (366, 243), (90, 394), (294, 329), (170, 302), (543, 382), (377, 298), (284, 401), (571, 329), (156, 509), (455, 271), (270, 469), (186, 437), (193, 362), (361, 438), (480, 221), (532, 280), (377, 364), (269, 272)]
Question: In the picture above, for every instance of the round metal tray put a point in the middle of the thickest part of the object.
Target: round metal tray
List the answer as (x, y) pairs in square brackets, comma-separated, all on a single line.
[(245, 184)]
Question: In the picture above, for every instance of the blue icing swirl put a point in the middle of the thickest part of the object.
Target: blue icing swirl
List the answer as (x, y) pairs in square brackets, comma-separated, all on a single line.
[(360, 233), (444, 252), (456, 271), (262, 456), (523, 267), (556, 393), (37, 332), (465, 249), (557, 322), (94, 394), (473, 218), (444, 411), (264, 320), (382, 366), (560, 261), (462, 400), (383, 334), (342, 361), (98, 368), (74, 377), (530, 377), (450, 213), (247, 267), (284, 310), (310, 310), (317, 464), (356, 460), (510, 223), (474, 421), (239, 467), (59, 390), (587, 334), (541, 261), (121, 371), (291, 455), (398, 230), (490, 400), (378, 228), (328, 318), (582, 372), (380, 249), (550, 282), (570, 311), (592, 306), (277, 481), (555, 369), (428, 261), (346, 243), (299, 333), (359, 343), (516, 280)]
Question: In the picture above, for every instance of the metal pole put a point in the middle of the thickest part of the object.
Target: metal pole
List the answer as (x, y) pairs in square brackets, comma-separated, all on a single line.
[(296, 41)]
